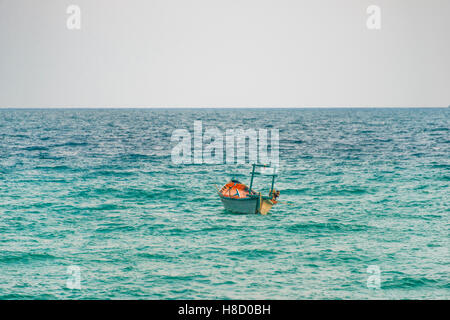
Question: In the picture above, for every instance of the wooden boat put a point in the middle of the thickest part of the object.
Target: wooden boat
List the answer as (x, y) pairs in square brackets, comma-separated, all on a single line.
[(237, 197)]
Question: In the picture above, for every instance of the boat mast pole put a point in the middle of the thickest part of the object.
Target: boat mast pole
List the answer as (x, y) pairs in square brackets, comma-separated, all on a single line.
[(251, 180), (273, 181)]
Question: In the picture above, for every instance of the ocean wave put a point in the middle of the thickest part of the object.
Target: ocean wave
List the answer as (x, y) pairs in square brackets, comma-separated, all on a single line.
[(24, 257), (253, 253), (69, 144), (35, 148), (325, 227), (409, 282), (112, 227)]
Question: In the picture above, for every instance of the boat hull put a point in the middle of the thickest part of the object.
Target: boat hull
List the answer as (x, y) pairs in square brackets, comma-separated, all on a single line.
[(247, 205), (241, 205)]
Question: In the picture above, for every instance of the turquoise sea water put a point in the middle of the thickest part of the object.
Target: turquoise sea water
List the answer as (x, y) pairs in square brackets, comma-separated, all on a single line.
[(97, 189)]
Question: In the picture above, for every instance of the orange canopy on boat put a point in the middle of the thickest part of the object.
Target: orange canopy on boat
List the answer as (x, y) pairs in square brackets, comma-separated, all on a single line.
[(235, 190)]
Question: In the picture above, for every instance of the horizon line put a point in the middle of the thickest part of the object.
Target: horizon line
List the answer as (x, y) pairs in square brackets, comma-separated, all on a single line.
[(222, 107)]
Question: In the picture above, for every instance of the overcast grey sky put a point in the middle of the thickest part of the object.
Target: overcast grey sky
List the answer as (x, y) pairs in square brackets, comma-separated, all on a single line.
[(217, 53)]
